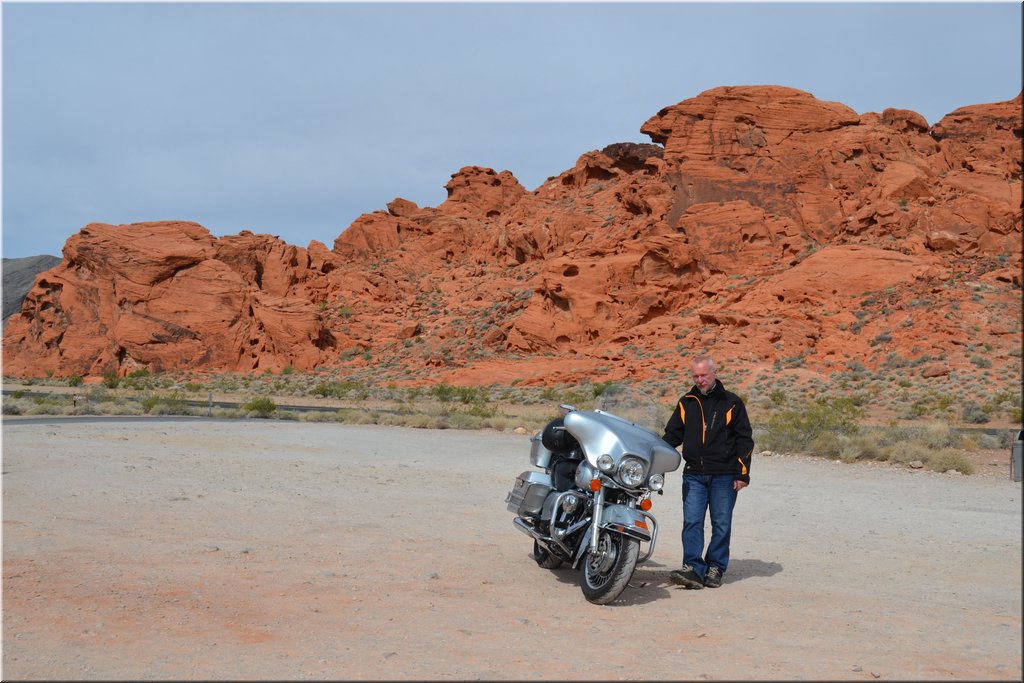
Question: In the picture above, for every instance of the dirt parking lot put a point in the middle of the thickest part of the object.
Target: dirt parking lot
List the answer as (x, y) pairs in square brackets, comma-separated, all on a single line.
[(197, 549)]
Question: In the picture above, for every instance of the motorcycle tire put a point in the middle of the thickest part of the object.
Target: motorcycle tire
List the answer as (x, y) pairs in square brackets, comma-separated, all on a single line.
[(544, 557), (606, 574)]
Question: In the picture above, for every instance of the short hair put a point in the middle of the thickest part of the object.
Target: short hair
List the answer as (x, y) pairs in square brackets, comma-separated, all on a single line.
[(704, 358)]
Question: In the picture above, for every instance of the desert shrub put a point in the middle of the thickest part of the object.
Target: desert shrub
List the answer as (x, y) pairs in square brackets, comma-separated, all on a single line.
[(319, 416), (422, 422), (346, 389), (973, 413), (443, 392), (861, 447), (98, 393), (827, 444), (172, 404), (75, 381), (500, 423), (110, 380), (990, 441), (907, 452), (115, 407), (362, 417), (936, 435), (472, 395), (933, 435), (260, 407), (949, 459), (795, 429)]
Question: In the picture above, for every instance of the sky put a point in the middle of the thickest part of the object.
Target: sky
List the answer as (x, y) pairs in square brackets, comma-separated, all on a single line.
[(294, 119)]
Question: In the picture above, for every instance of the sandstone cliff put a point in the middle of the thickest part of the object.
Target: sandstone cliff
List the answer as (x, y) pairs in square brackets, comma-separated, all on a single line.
[(761, 222), (19, 274)]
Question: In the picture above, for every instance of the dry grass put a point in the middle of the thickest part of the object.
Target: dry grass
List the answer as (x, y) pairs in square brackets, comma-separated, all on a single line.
[(838, 420)]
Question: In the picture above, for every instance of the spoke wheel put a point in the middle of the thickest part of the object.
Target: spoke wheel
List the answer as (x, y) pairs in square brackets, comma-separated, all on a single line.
[(606, 572)]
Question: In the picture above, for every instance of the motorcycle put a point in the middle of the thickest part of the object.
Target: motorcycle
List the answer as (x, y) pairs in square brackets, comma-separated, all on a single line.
[(590, 503)]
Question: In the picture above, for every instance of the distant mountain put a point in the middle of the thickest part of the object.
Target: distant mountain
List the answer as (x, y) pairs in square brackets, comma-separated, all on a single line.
[(19, 274)]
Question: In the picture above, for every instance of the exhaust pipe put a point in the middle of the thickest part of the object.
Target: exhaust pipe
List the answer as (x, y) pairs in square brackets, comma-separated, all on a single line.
[(533, 533)]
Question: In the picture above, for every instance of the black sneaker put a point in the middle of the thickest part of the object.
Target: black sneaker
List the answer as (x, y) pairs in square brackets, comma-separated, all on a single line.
[(713, 578), (686, 577)]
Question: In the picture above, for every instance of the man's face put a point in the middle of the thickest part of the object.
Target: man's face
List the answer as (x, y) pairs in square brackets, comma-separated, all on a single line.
[(703, 376)]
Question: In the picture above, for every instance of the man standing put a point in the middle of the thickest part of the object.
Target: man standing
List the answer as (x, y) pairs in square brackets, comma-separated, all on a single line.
[(712, 425)]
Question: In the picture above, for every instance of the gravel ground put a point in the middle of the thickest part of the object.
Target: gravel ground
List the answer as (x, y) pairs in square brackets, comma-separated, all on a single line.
[(200, 549)]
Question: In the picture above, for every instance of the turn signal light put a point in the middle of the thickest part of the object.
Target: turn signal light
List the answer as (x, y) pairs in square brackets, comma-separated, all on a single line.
[(645, 504), (595, 485), (641, 524)]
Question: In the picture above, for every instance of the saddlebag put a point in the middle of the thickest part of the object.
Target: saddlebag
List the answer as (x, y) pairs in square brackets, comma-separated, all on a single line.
[(527, 495)]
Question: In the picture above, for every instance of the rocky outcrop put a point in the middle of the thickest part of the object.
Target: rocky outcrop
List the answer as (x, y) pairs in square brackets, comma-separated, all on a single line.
[(19, 274), (760, 221), (163, 296)]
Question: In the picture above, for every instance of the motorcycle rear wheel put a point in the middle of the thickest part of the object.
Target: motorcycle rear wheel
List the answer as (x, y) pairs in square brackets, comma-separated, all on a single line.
[(606, 573), (544, 557)]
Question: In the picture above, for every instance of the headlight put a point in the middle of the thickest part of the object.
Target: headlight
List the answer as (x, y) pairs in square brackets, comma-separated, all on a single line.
[(656, 482), (605, 463), (631, 472)]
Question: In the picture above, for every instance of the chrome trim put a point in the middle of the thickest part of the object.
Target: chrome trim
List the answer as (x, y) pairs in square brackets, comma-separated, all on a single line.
[(556, 508), (595, 532), (654, 537)]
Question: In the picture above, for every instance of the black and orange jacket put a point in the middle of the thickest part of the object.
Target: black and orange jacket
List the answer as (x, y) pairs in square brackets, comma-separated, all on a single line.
[(714, 431)]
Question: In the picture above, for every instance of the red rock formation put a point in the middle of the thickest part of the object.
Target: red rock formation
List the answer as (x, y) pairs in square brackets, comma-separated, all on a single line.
[(165, 296), (762, 222)]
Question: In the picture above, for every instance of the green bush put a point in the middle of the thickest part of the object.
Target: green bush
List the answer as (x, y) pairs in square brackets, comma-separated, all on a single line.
[(796, 429), (173, 404), (948, 459), (346, 389), (901, 454), (75, 381), (443, 392), (827, 444), (861, 447), (261, 407)]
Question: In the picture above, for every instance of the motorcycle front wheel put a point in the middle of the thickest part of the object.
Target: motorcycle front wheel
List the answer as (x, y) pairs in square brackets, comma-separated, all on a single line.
[(606, 572)]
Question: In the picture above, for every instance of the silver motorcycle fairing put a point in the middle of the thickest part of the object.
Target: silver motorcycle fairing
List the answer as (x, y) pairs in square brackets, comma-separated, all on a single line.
[(601, 433)]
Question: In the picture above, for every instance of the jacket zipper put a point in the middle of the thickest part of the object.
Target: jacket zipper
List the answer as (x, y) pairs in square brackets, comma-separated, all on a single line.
[(703, 427)]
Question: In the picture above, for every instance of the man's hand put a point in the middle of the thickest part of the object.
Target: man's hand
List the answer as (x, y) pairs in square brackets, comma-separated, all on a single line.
[(738, 484)]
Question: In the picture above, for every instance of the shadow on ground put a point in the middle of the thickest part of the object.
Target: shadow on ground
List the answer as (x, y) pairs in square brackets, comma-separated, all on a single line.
[(651, 581)]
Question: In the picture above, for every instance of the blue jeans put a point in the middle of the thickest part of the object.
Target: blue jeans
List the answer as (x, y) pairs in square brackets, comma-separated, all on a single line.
[(703, 493)]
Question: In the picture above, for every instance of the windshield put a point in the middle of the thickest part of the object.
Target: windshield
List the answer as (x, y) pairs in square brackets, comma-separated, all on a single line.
[(634, 405)]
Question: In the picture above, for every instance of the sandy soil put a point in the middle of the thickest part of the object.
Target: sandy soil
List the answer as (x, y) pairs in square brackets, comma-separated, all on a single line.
[(194, 549)]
